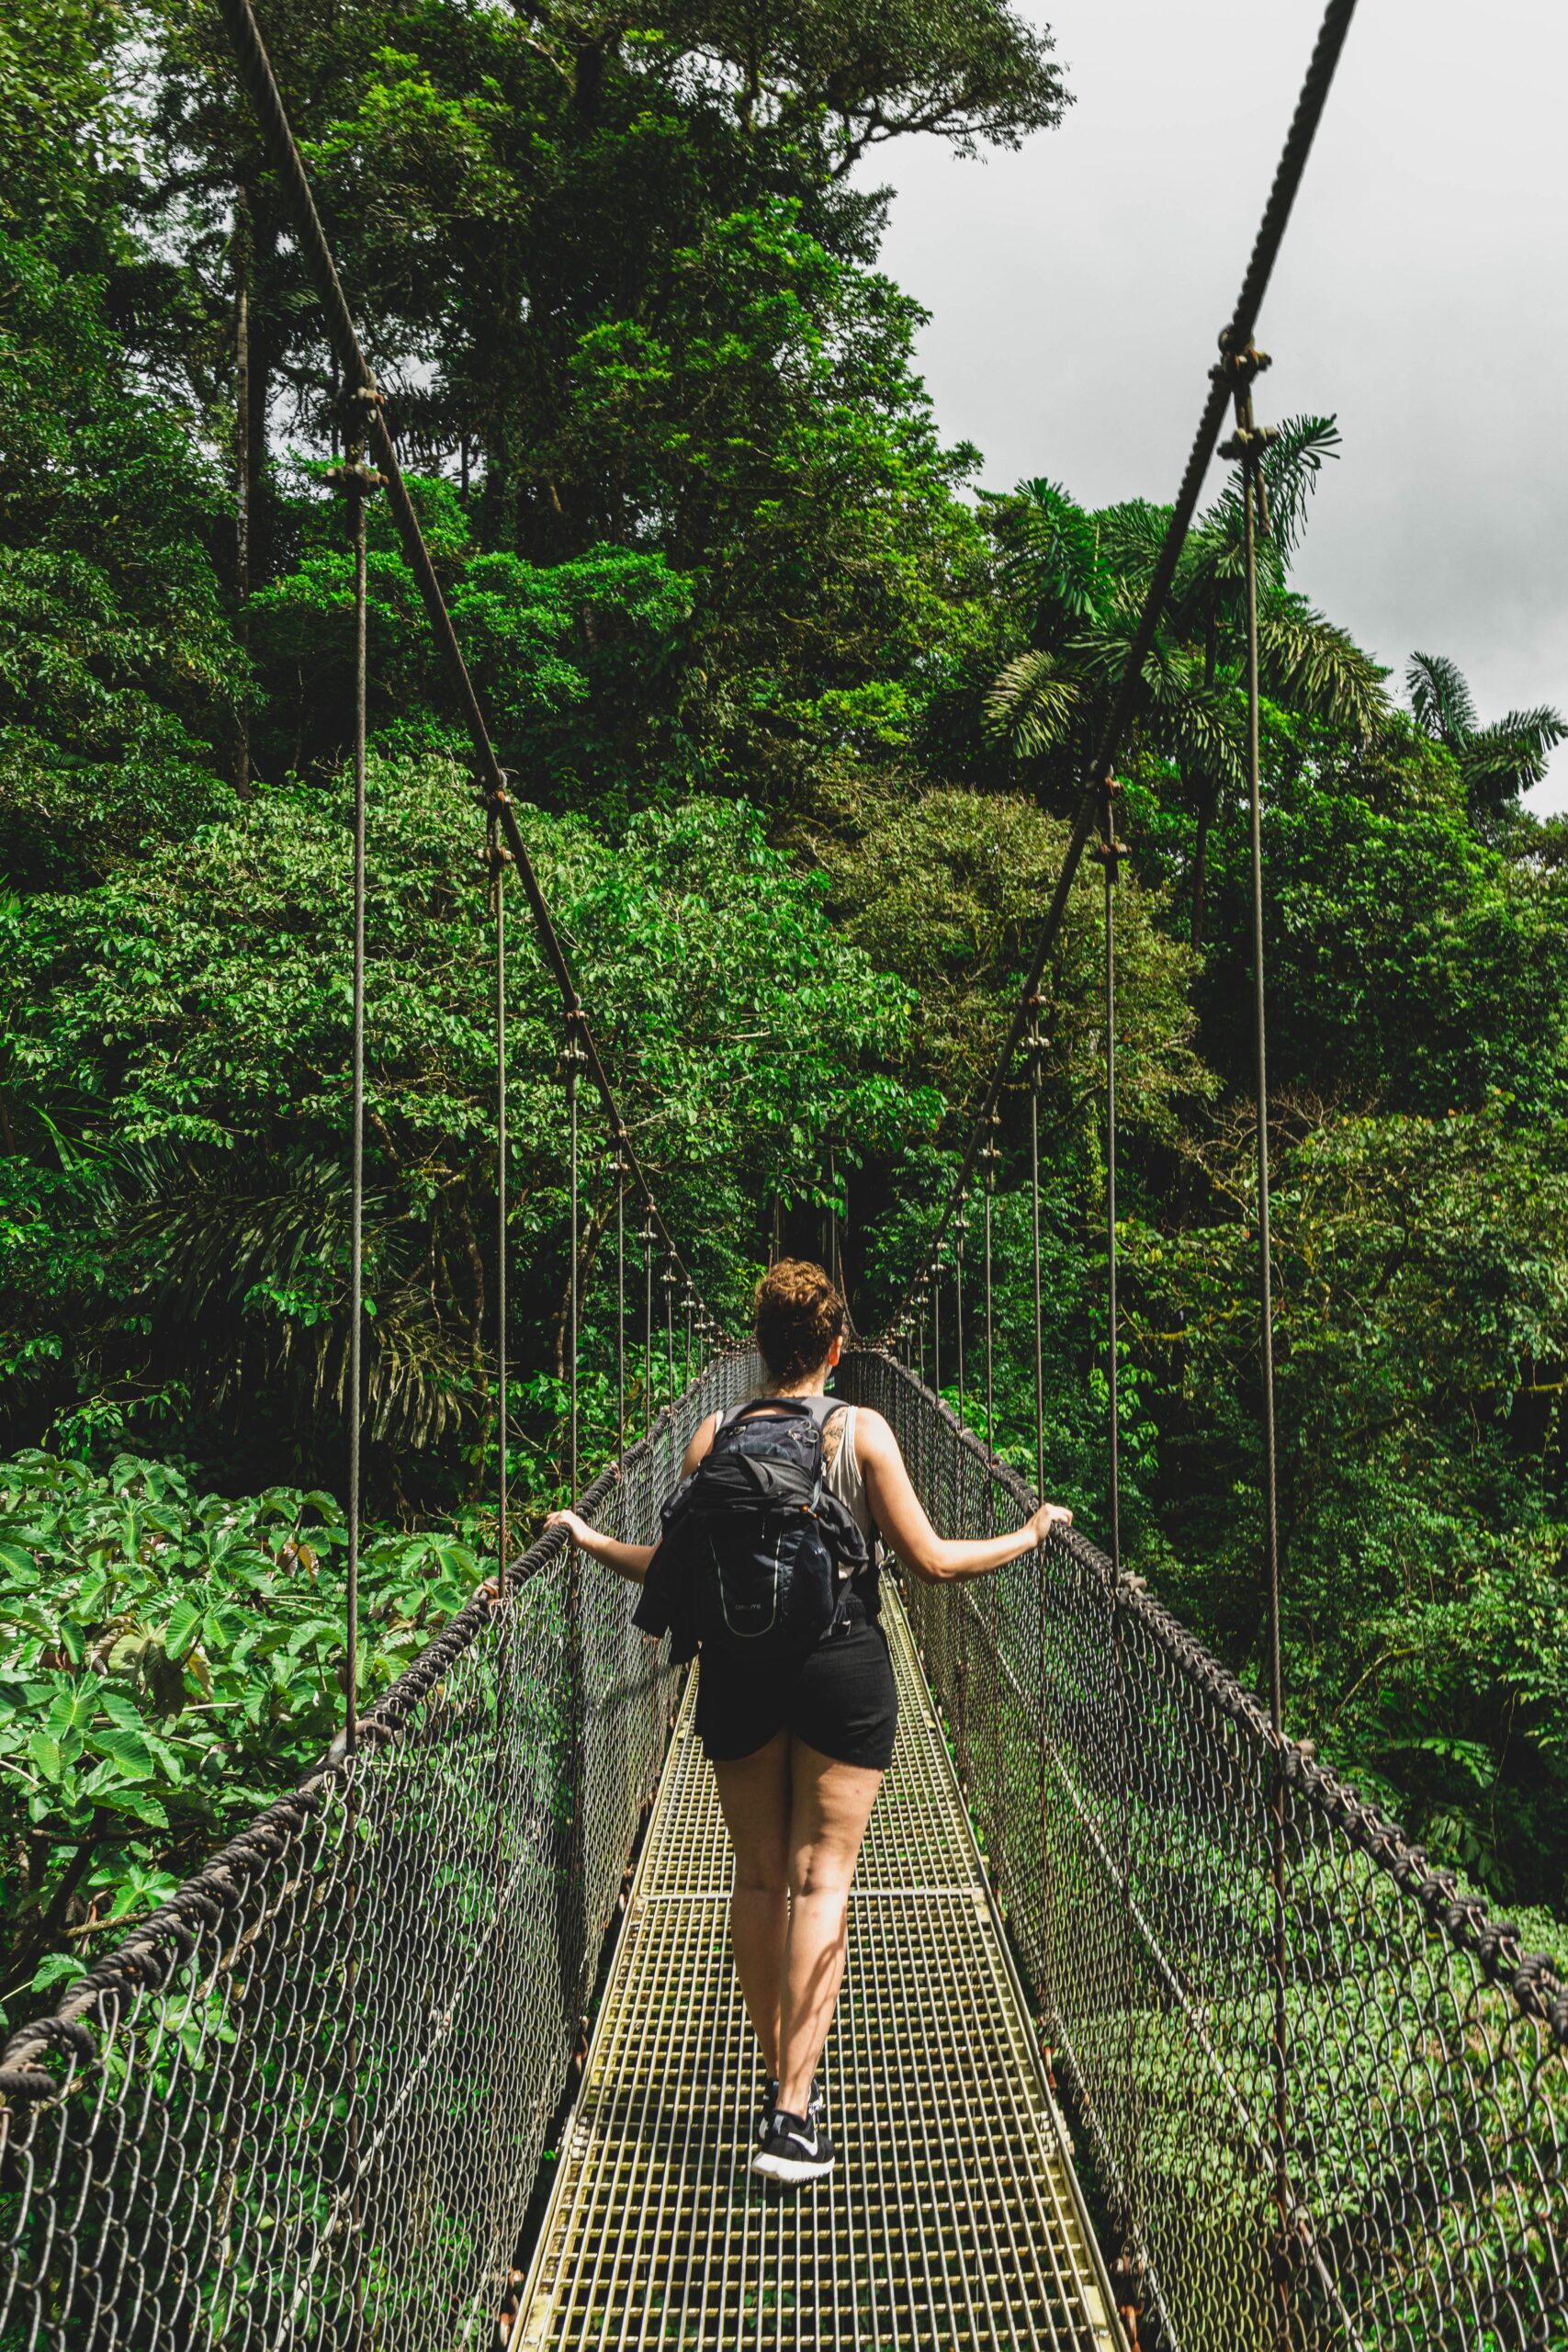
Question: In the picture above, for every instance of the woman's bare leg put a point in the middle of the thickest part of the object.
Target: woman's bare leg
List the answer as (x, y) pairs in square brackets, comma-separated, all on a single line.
[(754, 1792), (831, 1807)]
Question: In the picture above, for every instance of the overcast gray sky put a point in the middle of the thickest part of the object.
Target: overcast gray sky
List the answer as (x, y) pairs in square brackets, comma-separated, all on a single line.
[(1077, 290)]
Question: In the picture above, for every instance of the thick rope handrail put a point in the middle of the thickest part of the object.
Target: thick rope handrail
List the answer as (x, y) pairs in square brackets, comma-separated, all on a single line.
[(294, 186), (1234, 343)]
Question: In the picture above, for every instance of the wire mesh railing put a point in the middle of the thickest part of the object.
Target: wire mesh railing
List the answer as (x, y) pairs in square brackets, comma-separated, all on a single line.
[(1390, 2171), (305, 2104)]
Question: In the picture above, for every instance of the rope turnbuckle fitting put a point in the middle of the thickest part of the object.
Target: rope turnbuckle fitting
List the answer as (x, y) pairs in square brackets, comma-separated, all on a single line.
[(991, 1152), (1248, 441), (352, 475), (573, 1053), (1034, 1043), (355, 405), (1238, 368)]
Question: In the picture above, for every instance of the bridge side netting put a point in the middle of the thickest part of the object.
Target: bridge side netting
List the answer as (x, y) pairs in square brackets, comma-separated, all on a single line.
[(1124, 1787), (306, 2104)]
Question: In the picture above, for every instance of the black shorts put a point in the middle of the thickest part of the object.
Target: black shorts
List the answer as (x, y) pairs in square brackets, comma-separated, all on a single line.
[(840, 1699)]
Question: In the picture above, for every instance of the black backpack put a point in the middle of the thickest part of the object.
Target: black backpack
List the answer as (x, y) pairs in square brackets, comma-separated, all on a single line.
[(756, 1555)]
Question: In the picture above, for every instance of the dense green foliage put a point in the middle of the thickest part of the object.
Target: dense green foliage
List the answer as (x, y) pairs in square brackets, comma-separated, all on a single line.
[(172, 1658), (796, 723), (188, 1254)]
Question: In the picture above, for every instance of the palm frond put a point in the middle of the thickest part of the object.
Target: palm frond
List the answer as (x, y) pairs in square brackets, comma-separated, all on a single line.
[(226, 1232), (1305, 660), (1204, 730), (414, 1370), (1049, 551), (1212, 570), (1291, 464), (256, 1255), (1030, 705), (1539, 730), (1130, 535), (1099, 657), (1511, 756), (1440, 698)]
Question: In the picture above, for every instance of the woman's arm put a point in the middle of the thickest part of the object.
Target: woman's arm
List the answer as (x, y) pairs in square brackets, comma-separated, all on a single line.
[(629, 1560), (903, 1523)]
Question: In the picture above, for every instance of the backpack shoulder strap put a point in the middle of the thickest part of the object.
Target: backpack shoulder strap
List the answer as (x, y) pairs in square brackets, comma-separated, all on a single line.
[(801, 1414), (822, 1409), (819, 1409)]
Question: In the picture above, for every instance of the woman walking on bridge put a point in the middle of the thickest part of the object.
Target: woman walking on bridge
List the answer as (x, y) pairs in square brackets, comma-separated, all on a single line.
[(798, 1719)]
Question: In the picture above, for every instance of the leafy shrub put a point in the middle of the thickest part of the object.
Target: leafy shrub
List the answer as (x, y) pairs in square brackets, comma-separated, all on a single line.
[(169, 1660)]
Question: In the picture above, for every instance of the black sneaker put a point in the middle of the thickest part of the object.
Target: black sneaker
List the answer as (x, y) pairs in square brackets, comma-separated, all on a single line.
[(770, 2103), (814, 2104), (796, 2149)]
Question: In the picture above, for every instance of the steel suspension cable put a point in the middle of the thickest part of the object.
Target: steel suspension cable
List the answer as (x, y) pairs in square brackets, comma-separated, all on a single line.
[(1111, 854), (357, 479), (574, 1916), (498, 862), (1248, 446), (988, 1160), (353, 479), (648, 1237), (574, 1303), (835, 1225), (960, 1228), (669, 1279), (1235, 344), (1252, 441), (619, 1174), (316, 256), (1036, 1072)]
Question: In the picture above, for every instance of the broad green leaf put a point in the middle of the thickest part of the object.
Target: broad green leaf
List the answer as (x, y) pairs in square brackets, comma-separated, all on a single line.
[(139, 1802), (185, 1620), (125, 1748)]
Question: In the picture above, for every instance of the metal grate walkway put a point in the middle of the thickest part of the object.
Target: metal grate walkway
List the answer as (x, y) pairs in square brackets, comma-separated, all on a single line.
[(953, 2219)]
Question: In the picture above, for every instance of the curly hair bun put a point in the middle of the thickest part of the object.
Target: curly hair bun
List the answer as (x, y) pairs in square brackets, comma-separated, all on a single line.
[(799, 1315)]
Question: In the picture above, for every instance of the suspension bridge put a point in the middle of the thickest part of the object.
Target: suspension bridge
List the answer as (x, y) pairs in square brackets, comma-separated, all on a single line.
[(1154, 2033)]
